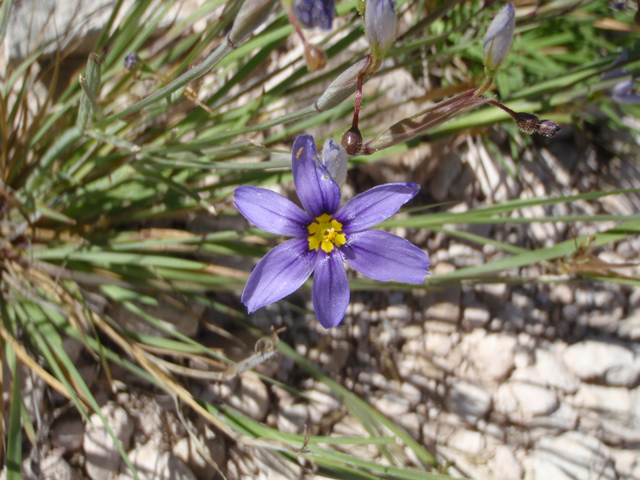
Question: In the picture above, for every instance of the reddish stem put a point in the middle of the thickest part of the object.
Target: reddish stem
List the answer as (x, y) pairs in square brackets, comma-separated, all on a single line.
[(506, 109), (360, 82)]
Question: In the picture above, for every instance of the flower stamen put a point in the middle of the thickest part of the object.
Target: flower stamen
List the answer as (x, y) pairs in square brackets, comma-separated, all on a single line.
[(323, 233)]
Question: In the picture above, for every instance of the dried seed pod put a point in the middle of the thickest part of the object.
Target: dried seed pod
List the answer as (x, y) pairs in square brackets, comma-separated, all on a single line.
[(352, 141), (527, 122), (316, 59)]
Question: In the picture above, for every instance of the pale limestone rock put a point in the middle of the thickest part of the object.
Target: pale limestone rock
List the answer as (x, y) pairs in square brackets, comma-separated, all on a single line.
[(521, 401), (593, 360), (151, 463), (437, 344), (469, 401), (468, 442), (391, 405), (561, 293), (293, 418), (249, 397), (57, 468), (399, 312), (630, 326), (493, 356), (102, 457), (609, 401), (187, 451), (475, 315), (572, 455), (548, 370), (505, 465), (625, 461)]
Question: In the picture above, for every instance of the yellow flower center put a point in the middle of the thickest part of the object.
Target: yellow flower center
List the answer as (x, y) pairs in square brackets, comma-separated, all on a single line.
[(324, 233)]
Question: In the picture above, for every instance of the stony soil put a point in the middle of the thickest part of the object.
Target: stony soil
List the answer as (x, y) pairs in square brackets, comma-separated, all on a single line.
[(520, 380)]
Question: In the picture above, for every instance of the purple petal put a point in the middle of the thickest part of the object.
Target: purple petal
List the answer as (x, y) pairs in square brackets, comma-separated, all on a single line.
[(272, 212), (315, 13), (281, 272), (317, 191), (330, 289), (375, 205), (385, 257)]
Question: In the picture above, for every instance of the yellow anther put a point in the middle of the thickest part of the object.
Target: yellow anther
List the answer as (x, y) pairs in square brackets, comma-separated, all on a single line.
[(323, 233)]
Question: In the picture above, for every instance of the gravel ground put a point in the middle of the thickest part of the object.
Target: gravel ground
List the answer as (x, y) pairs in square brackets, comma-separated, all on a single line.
[(507, 381), (532, 381)]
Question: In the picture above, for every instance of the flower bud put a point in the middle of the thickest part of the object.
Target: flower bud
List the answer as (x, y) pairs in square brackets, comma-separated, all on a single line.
[(132, 62), (315, 13), (548, 129), (251, 15), (334, 159), (528, 123), (497, 40), (341, 88), (381, 23)]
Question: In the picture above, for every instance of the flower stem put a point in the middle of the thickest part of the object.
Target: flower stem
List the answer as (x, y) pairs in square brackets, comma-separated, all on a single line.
[(506, 109)]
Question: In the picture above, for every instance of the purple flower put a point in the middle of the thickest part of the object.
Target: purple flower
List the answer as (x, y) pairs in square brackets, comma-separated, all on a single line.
[(314, 13), (623, 93), (325, 237)]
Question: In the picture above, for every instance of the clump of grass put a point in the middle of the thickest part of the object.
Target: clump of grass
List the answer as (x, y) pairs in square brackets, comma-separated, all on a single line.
[(90, 175)]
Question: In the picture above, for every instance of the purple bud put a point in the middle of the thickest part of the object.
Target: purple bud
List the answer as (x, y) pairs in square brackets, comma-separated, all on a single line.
[(497, 40), (381, 23), (315, 13), (132, 62), (548, 129)]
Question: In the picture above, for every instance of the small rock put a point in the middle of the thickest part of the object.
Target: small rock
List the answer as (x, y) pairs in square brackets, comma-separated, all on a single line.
[(391, 405), (561, 293), (67, 433), (102, 457), (465, 256), (469, 401), (250, 397), (467, 441), (438, 344), (56, 468), (612, 363), (629, 328), (522, 401), (399, 312), (625, 461), (570, 456), (187, 451), (293, 418), (493, 355), (548, 371), (153, 464), (443, 311), (611, 401), (504, 464), (474, 316)]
